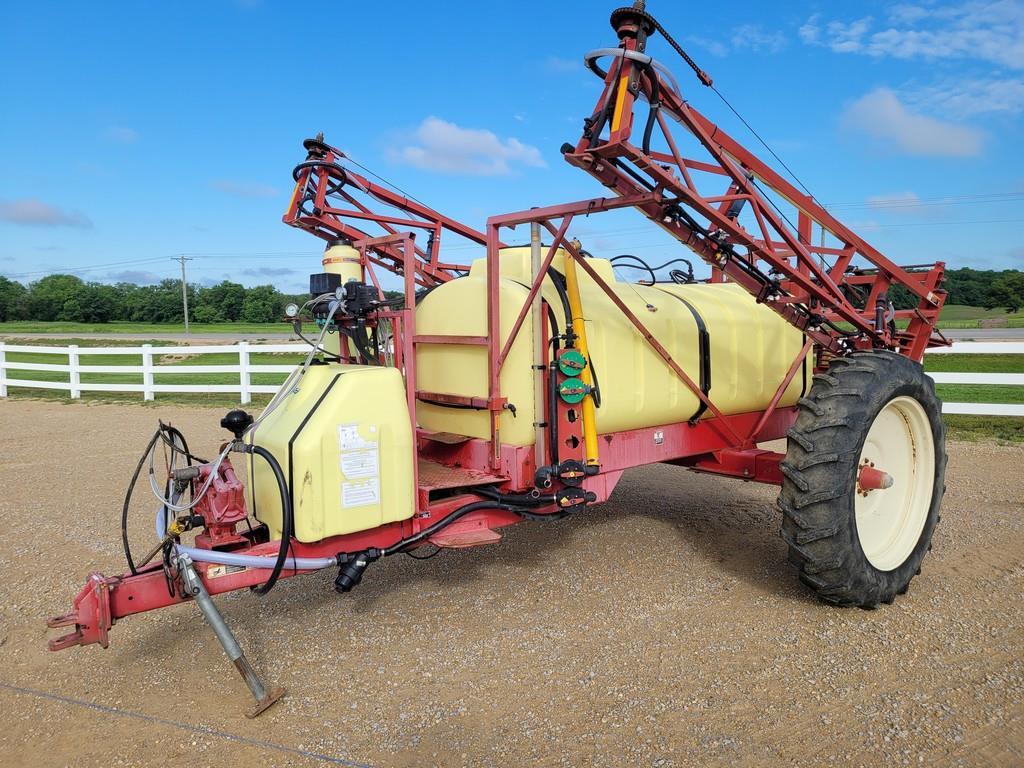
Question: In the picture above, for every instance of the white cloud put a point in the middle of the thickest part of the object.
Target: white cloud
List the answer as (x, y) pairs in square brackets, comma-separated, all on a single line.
[(968, 98), (137, 276), (120, 134), (710, 44), (244, 189), (438, 145), (269, 271), (985, 30), (751, 37), (744, 38), (810, 32), (30, 212), (881, 115), (562, 65)]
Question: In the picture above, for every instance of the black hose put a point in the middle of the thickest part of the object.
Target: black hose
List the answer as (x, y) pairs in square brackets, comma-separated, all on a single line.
[(176, 435), (553, 447), (128, 501), (331, 188), (287, 521), (518, 499), (558, 280), (178, 444), (426, 533), (677, 275), (655, 104), (640, 265)]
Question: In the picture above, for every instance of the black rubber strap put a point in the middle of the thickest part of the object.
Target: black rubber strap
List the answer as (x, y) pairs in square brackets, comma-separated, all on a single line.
[(703, 349), (298, 430)]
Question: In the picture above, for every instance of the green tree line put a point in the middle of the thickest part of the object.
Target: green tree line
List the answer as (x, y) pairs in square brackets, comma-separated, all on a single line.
[(70, 299), (988, 288)]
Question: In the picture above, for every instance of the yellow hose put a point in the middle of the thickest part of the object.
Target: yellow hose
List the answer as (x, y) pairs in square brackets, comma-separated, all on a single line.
[(572, 288)]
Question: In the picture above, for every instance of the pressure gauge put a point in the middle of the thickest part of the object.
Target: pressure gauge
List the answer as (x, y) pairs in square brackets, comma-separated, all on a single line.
[(291, 310)]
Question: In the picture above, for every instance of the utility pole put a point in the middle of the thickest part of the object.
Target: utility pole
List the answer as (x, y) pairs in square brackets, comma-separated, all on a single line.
[(184, 287)]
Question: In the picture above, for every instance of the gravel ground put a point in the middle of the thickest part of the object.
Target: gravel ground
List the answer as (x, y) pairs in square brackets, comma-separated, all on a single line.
[(663, 628)]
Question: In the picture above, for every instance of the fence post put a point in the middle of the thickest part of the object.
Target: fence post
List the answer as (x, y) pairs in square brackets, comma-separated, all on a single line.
[(3, 369), (74, 377), (147, 372), (243, 372)]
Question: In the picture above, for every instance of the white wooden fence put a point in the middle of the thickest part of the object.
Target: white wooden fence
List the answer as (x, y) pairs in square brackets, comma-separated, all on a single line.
[(244, 370), (75, 367)]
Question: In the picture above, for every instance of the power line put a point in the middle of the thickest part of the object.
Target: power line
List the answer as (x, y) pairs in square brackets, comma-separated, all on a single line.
[(90, 268), (899, 202)]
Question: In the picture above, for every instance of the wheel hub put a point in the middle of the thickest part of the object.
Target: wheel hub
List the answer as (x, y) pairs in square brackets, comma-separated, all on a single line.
[(871, 479)]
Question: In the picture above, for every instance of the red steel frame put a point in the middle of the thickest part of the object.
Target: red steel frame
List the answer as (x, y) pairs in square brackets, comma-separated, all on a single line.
[(657, 184)]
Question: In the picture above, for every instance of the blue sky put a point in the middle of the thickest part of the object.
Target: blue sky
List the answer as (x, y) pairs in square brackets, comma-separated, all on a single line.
[(132, 132)]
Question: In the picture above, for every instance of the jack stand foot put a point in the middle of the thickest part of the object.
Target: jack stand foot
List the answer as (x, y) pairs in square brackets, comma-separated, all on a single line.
[(266, 702), (194, 586)]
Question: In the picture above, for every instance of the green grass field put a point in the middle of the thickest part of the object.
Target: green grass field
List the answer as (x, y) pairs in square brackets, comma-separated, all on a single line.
[(960, 316), (963, 427), (953, 316)]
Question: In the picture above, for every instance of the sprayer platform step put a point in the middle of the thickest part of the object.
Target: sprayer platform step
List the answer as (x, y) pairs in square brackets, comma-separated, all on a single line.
[(434, 476)]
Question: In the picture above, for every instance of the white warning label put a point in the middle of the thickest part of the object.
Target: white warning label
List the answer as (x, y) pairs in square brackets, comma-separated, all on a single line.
[(361, 493), (363, 462)]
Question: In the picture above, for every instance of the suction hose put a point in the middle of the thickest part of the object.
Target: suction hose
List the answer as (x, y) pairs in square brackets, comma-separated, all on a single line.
[(245, 561), (287, 523)]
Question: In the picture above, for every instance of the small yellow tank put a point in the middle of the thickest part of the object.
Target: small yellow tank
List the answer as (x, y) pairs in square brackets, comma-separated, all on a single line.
[(344, 441)]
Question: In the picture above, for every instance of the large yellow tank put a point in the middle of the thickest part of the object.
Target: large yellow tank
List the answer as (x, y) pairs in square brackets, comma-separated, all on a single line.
[(345, 443), (751, 349)]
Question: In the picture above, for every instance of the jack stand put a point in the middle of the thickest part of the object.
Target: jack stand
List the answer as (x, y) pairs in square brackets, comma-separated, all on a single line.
[(194, 586)]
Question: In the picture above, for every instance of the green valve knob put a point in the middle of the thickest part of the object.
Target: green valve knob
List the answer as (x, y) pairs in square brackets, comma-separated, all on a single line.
[(573, 391), (572, 362)]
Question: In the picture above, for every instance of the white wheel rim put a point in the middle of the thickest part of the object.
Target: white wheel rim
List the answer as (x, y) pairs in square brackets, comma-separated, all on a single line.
[(890, 520)]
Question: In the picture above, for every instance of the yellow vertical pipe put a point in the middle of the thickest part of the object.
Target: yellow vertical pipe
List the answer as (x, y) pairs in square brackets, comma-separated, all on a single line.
[(579, 328)]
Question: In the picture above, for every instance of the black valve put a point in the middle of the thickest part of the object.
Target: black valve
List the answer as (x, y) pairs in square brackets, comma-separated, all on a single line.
[(236, 422), (351, 570)]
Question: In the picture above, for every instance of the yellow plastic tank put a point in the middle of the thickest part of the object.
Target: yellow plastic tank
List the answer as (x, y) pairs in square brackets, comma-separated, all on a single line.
[(750, 349), (345, 443)]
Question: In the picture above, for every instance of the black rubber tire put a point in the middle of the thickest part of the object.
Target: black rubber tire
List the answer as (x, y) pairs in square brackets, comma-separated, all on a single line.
[(820, 476)]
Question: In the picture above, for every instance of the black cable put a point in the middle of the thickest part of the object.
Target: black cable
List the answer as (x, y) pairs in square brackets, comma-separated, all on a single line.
[(287, 521), (763, 142)]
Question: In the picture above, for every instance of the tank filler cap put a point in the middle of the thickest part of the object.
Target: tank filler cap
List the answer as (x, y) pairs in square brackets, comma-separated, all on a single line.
[(236, 422)]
